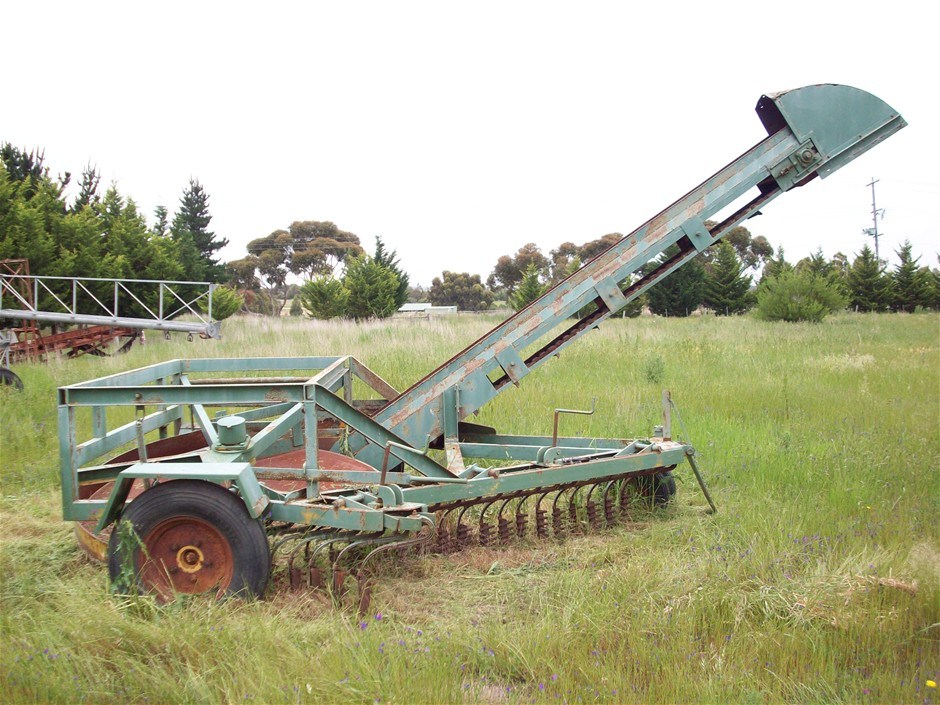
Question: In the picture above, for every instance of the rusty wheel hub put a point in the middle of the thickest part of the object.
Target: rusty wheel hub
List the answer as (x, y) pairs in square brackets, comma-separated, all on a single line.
[(185, 555)]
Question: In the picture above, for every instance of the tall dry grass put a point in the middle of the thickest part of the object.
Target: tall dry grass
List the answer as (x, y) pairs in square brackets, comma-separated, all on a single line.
[(817, 581)]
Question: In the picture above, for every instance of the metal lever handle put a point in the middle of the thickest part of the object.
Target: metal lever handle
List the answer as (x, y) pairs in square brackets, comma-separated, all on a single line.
[(559, 412), (388, 449)]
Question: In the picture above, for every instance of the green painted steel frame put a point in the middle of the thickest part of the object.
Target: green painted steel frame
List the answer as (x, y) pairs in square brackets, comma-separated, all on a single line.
[(168, 387), (812, 131), (383, 500)]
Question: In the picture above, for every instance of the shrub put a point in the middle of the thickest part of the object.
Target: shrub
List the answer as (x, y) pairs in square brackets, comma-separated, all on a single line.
[(529, 289), (260, 302), (372, 289), (324, 297), (654, 369), (460, 289), (798, 296), (225, 302)]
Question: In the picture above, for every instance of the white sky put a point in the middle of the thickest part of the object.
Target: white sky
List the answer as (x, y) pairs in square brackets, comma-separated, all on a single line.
[(461, 131)]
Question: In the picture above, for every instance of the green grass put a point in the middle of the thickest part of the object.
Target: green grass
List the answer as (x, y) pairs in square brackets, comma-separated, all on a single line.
[(817, 581)]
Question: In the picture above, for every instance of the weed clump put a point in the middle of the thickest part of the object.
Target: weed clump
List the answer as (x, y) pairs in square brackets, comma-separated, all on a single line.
[(654, 370)]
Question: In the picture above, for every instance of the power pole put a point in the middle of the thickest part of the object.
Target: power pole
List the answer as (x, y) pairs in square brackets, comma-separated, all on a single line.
[(875, 214)]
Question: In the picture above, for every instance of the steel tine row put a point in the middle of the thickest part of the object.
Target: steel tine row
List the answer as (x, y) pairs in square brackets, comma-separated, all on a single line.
[(346, 554), (590, 507), (364, 576)]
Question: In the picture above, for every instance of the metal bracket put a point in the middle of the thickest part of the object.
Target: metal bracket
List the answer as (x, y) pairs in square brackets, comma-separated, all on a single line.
[(694, 229), (512, 363), (796, 166)]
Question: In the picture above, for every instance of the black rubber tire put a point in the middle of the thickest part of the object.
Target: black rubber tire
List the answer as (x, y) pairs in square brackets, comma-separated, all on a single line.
[(204, 504), (660, 488), (9, 378)]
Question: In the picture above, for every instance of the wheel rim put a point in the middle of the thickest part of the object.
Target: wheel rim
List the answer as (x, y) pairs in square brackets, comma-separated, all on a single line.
[(185, 555)]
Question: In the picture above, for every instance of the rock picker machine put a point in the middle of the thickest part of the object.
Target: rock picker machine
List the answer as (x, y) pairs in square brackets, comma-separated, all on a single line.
[(324, 461)]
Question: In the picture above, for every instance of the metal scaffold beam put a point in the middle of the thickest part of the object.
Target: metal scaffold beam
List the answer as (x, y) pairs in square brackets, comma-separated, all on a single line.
[(142, 304)]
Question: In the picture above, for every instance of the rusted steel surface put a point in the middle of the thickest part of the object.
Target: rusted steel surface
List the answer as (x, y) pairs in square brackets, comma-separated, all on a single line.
[(93, 340), (186, 555), (337, 479)]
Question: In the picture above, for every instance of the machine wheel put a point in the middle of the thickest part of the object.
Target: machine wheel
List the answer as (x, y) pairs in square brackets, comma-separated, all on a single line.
[(10, 379), (659, 488), (192, 537)]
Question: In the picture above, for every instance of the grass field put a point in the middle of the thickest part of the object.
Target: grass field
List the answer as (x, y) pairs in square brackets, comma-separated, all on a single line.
[(817, 581)]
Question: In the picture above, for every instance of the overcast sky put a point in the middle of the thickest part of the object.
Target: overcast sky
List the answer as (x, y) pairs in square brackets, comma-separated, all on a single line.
[(461, 131)]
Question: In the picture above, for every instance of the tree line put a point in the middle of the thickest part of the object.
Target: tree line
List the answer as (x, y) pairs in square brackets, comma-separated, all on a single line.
[(100, 233), (740, 273), (104, 235)]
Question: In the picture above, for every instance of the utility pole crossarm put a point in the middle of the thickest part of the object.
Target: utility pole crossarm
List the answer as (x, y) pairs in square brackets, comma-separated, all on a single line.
[(875, 214)]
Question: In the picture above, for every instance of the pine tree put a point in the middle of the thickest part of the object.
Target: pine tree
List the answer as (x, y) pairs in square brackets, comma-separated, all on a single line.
[(912, 285), (160, 221), (389, 260), (87, 188), (816, 263), (131, 252), (935, 275), (528, 289), (727, 288), (681, 292), (775, 265), (869, 288), (23, 166), (225, 302), (197, 243)]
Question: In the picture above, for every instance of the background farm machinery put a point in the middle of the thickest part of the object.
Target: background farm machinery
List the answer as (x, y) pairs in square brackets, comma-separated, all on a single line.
[(87, 315), (324, 461)]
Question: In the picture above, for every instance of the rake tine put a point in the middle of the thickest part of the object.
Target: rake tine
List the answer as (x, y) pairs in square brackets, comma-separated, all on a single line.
[(573, 510), (463, 530), (522, 517), (294, 573), (624, 499), (609, 515), (591, 507), (295, 536), (503, 523), (340, 573), (443, 532), (363, 576), (485, 528), (315, 573), (541, 517), (557, 519)]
